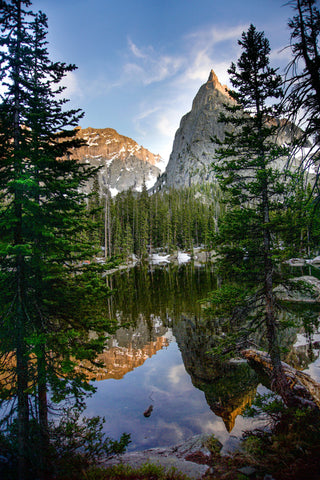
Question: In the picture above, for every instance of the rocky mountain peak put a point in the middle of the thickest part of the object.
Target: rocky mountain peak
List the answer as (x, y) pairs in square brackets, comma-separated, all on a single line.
[(213, 83), (194, 144), (123, 163), (193, 148), (109, 143)]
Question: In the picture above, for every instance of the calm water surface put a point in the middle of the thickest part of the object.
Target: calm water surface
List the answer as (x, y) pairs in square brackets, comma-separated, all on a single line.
[(162, 359)]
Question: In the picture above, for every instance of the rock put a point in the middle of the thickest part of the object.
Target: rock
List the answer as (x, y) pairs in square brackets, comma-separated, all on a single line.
[(178, 457), (304, 289), (124, 164), (194, 144), (248, 471), (193, 148), (315, 261), (296, 262), (148, 412)]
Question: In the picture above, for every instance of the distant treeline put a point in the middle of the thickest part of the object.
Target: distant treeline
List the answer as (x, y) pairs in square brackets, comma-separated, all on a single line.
[(140, 223)]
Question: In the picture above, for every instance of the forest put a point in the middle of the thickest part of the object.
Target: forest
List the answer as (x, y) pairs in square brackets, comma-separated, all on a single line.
[(52, 291)]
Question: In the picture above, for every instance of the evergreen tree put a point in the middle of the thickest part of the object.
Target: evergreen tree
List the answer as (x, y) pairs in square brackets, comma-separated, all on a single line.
[(247, 172), (95, 213), (303, 77), (43, 215)]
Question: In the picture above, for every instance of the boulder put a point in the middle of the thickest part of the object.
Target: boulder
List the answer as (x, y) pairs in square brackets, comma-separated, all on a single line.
[(305, 289)]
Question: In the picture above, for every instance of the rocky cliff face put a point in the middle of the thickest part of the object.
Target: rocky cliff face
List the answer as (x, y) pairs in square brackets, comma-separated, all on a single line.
[(123, 162), (194, 146)]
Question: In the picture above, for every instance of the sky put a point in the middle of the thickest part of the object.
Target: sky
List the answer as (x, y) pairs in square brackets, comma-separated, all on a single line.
[(141, 62)]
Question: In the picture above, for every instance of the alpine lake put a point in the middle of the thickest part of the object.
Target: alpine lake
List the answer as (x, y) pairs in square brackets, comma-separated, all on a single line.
[(159, 382)]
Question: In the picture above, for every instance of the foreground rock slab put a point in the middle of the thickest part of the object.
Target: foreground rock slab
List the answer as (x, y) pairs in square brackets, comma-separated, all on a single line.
[(182, 457)]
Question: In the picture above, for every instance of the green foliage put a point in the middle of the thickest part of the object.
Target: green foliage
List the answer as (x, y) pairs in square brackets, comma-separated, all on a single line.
[(51, 298), (268, 405), (126, 472), (76, 443), (251, 232), (289, 445), (78, 435), (178, 219), (213, 445)]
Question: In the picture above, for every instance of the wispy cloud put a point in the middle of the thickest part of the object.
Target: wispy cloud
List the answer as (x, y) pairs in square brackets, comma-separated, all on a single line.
[(180, 75), (153, 67), (214, 35), (135, 50)]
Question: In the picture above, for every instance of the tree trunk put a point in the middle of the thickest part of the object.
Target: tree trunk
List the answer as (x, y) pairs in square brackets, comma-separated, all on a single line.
[(23, 400), (306, 391), (43, 415), (279, 381)]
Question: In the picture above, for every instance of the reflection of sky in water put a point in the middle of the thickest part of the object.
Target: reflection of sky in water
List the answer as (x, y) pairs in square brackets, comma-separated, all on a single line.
[(180, 409), (314, 370), (153, 301)]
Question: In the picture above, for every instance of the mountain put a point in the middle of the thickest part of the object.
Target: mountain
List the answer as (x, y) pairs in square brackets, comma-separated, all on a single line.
[(194, 146), (124, 163)]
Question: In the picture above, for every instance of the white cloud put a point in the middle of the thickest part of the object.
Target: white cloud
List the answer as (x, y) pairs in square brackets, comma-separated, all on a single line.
[(71, 83), (166, 123), (153, 67), (144, 120), (214, 35), (135, 50), (176, 374), (282, 55), (180, 76)]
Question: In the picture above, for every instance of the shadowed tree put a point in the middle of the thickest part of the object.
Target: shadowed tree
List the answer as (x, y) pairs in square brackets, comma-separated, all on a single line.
[(302, 100), (247, 170), (50, 302)]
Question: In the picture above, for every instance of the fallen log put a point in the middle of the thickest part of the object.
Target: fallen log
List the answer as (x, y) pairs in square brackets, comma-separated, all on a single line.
[(302, 385)]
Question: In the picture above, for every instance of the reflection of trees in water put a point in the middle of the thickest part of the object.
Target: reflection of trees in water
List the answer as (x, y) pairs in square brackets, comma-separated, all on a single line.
[(144, 301), (150, 299), (305, 319), (230, 386), (166, 291)]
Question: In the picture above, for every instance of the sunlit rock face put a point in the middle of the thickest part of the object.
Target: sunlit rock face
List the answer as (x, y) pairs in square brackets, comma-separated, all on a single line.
[(130, 347), (118, 361), (194, 145), (124, 164)]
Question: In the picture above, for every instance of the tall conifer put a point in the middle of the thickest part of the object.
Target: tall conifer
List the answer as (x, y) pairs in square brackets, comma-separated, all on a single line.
[(247, 169), (42, 246)]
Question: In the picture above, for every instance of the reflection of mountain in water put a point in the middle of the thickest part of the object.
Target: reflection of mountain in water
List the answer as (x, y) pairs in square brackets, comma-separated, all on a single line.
[(130, 347), (147, 299), (150, 300), (228, 387)]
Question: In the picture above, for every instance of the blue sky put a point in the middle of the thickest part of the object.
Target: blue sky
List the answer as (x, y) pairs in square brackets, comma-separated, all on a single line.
[(141, 62)]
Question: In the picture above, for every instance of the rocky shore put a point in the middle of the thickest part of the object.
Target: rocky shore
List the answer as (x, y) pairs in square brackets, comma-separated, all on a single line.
[(191, 458)]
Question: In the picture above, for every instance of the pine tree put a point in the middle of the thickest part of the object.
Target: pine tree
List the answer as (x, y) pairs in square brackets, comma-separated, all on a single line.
[(41, 250), (248, 174), (302, 98)]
